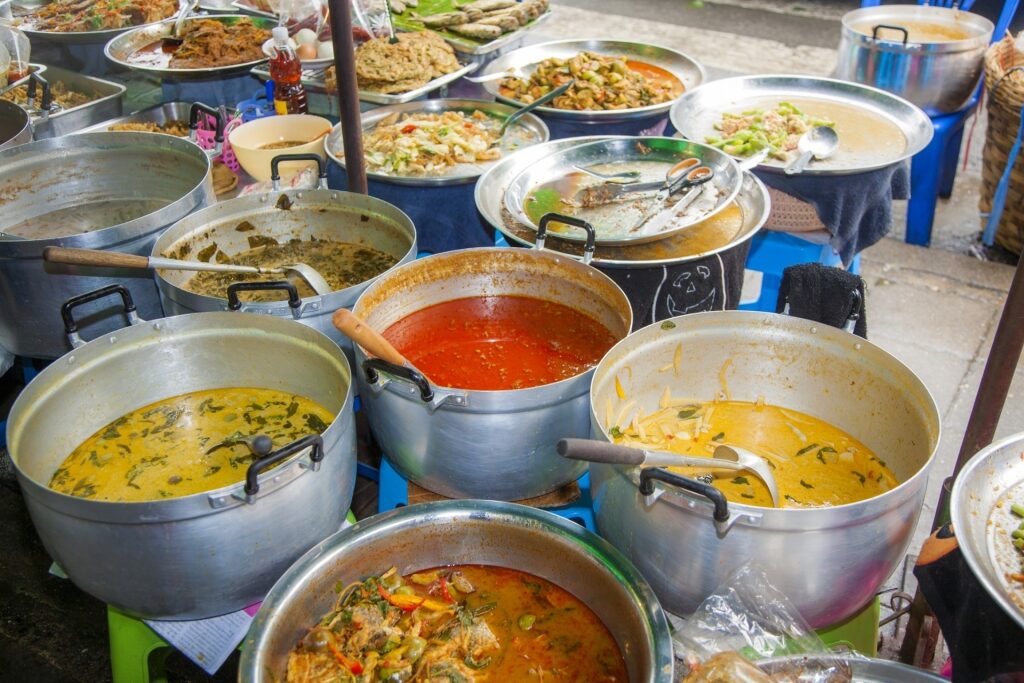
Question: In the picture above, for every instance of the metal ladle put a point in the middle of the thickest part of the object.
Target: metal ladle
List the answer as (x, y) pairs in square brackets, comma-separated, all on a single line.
[(116, 259), (819, 142), (539, 102), (724, 457)]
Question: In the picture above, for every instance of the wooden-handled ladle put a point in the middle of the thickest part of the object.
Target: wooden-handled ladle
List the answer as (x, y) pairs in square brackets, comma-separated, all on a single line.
[(356, 329)]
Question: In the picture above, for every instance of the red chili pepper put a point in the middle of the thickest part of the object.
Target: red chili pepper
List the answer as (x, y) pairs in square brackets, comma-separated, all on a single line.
[(444, 591), (383, 592), (400, 604), (347, 662), (408, 129)]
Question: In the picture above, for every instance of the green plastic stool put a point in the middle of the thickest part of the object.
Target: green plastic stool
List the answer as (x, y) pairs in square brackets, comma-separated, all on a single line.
[(859, 632), (137, 653)]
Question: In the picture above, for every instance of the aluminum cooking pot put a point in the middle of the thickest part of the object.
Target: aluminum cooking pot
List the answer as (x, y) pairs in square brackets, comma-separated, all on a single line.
[(828, 561), (15, 125), (209, 553), (464, 532), (879, 47), (320, 214), (114, 191), (481, 444)]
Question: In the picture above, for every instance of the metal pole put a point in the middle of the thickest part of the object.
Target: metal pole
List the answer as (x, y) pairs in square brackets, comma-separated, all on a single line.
[(981, 427), (348, 93)]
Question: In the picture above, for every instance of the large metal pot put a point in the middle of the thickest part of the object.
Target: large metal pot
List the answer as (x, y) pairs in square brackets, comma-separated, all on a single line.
[(15, 125), (94, 182), (320, 214), (481, 444), (208, 553), (878, 48), (828, 561), (464, 532)]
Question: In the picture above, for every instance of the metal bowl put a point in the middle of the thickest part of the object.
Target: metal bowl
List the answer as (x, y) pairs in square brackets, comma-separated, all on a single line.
[(527, 131), (688, 71), (121, 48), (15, 125), (980, 509), (695, 114), (464, 532)]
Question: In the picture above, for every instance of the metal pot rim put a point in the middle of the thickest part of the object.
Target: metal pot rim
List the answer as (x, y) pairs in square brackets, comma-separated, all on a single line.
[(747, 320), (324, 554), (973, 22)]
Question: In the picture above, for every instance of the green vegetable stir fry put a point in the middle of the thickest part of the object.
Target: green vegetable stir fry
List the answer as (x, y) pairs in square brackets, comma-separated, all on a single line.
[(777, 130)]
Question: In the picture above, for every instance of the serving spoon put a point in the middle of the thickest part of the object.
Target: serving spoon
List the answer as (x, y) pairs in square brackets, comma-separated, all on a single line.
[(819, 142), (356, 329), (539, 102), (116, 259), (724, 457)]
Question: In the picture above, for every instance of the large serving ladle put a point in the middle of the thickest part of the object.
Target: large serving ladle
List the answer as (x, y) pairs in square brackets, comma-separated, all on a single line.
[(724, 457)]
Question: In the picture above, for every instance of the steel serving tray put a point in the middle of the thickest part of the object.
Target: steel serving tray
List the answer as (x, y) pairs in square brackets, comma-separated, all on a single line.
[(158, 114), (20, 10), (695, 114), (121, 48), (246, 8), (106, 103), (471, 46), (687, 70), (315, 81), (528, 131)]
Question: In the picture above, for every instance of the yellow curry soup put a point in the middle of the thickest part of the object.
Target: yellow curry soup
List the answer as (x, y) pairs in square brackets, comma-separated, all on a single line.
[(185, 444)]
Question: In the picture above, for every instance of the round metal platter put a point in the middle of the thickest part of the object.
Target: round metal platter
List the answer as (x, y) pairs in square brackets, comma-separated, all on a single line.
[(625, 152), (526, 132), (695, 114), (865, 670), (753, 201), (120, 49), (523, 61), (74, 37)]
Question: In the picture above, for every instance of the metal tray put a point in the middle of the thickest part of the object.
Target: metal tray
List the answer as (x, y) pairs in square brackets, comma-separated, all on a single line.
[(980, 509), (68, 37), (122, 47), (871, 670), (697, 112), (245, 8), (528, 131), (158, 114), (107, 103), (688, 71), (315, 82), (217, 6), (727, 179), (469, 46)]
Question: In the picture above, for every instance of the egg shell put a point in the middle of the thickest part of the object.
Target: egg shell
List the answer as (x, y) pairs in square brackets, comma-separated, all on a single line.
[(305, 36), (325, 50), (306, 51)]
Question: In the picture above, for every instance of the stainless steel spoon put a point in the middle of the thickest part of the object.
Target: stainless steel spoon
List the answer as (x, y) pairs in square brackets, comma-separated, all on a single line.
[(819, 142), (539, 102), (623, 177)]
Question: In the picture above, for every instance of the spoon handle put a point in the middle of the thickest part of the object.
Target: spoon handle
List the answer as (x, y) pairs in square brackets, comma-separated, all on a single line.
[(358, 331), (539, 102), (799, 164)]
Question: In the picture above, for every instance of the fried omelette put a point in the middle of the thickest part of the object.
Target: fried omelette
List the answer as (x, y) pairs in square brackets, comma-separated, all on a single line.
[(413, 61)]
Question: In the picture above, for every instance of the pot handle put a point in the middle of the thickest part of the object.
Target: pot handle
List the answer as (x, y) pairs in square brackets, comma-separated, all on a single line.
[(717, 498), (235, 304), (314, 442), (30, 94), (193, 126), (71, 325), (371, 366), (905, 32), (542, 232), (275, 175)]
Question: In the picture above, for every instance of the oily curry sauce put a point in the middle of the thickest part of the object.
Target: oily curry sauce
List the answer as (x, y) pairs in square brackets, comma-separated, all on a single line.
[(185, 444)]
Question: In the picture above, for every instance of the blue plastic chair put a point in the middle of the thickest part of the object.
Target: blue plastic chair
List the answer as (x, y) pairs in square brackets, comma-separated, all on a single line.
[(933, 170)]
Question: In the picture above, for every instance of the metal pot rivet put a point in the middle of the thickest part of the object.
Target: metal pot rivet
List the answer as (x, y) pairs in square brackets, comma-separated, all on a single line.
[(71, 360), (857, 346), (814, 330), (113, 339), (158, 326)]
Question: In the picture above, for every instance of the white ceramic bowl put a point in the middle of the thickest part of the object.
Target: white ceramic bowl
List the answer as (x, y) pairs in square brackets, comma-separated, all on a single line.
[(249, 140)]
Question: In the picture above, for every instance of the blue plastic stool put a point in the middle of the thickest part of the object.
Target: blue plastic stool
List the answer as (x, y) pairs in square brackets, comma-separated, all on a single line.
[(772, 252), (394, 493)]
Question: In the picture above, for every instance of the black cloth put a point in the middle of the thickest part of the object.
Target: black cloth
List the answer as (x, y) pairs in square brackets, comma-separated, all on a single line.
[(856, 209), (985, 644), (825, 294)]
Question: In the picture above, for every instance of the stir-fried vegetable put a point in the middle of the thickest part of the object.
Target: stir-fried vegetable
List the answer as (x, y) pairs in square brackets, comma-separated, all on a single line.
[(777, 130), (1018, 541), (430, 144)]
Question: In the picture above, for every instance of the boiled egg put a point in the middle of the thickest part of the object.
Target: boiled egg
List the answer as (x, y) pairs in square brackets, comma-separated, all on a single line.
[(305, 37), (306, 51)]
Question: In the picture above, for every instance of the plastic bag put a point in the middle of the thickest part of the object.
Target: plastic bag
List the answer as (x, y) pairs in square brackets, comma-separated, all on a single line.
[(746, 620), (302, 14), (19, 50)]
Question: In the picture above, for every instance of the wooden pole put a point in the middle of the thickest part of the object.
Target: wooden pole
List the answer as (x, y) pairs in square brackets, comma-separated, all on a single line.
[(348, 93)]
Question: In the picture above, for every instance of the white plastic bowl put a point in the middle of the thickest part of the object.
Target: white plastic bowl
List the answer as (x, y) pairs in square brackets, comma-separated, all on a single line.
[(248, 140)]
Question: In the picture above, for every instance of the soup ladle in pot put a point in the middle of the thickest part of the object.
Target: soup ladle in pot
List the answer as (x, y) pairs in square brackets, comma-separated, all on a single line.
[(356, 329), (724, 457)]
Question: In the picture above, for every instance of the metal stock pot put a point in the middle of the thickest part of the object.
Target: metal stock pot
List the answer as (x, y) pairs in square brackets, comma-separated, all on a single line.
[(320, 214), (878, 48), (208, 553), (15, 125), (98, 183), (481, 444), (828, 561), (464, 532)]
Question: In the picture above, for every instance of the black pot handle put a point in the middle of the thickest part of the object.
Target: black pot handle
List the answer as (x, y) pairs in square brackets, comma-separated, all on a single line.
[(905, 32), (316, 454), (371, 366), (235, 304), (71, 325), (321, 166), (542, 232), (193, 122), (30, 95), (717, 498)]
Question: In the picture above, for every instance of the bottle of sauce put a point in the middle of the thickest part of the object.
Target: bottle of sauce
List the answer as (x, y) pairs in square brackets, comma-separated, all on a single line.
[(286, 72)]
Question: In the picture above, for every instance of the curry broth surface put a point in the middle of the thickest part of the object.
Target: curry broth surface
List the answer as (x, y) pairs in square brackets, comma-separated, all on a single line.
[(815, 464), (185, 444)]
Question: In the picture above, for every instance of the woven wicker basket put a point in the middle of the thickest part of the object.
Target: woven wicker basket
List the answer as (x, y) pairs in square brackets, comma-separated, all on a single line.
[(1005, 99)]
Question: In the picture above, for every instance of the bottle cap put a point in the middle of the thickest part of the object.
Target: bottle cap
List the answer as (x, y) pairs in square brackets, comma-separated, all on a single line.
[(280, 34)]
